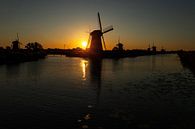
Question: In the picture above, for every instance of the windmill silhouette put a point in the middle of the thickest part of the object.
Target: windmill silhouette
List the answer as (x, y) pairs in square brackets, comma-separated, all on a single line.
[(16, 44), (97, 37)]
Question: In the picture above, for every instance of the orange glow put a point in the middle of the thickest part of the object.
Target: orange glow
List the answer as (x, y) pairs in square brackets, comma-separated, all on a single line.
[(84, 44), (84, 64)]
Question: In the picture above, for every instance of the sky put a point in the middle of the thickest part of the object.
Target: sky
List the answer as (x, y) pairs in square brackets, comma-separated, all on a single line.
[(66, 23)]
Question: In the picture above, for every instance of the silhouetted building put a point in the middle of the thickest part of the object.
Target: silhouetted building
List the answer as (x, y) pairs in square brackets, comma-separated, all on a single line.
[(15, 45), (115, 49), (163, 51), (118, 47), (149, 49), (154, 49), (1, 48), (97, 38), (96, 42), (8, 48)]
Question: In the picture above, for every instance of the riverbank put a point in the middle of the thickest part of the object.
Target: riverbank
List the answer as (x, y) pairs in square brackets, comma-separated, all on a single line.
[(22, 55), (188, 59), (105, 54)]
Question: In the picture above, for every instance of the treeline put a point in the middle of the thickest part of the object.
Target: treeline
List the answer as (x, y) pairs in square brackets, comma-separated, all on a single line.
[(14, 54)]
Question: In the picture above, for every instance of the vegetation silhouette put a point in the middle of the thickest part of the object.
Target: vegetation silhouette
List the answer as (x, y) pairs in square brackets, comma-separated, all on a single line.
[(15, 54), (34, 46), (187, 59)]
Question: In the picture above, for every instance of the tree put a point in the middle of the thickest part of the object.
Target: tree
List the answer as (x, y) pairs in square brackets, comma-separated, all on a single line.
[(34, 46)]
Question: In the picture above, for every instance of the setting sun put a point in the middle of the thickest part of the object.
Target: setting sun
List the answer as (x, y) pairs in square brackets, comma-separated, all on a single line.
[(84, 44)]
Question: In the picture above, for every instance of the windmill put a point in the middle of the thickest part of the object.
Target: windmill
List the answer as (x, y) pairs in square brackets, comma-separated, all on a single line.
[(16, 43), (97, 37)]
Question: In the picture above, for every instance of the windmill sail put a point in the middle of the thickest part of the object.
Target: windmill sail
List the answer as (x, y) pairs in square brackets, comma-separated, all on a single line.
[(107, 29), (100, 23)]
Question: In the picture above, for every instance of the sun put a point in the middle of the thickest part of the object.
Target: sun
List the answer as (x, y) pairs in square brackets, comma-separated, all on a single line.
[(84, 44)]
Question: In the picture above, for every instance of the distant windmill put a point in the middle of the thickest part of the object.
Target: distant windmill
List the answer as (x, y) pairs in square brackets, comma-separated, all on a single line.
[(16, 44), (96, 38)]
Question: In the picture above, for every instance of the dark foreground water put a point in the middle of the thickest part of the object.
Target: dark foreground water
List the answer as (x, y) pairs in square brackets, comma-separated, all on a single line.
[(131, 93)]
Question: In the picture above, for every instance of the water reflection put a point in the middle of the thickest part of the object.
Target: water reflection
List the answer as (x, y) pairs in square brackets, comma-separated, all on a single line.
[(84, 64), (117, 93), (95, 67), (117, 64), (12, 70), (153, 63), (92, 69), (91, 74), (95, 71)]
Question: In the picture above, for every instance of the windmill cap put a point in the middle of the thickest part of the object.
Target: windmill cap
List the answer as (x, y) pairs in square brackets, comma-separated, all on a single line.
[(96, 32)]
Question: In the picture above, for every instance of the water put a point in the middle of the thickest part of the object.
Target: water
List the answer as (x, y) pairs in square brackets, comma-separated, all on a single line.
[(61, 92)]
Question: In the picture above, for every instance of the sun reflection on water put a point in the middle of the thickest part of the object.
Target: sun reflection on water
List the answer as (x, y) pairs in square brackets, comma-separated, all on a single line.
[(84, 64)]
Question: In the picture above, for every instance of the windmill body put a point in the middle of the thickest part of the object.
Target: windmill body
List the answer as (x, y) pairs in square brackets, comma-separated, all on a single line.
[(16, 44), (96, 42)]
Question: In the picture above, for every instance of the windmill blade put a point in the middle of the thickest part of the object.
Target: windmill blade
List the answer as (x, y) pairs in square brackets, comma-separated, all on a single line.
[(88, 42), (18, 37), (107, 29), (104, 42), (100, 23)]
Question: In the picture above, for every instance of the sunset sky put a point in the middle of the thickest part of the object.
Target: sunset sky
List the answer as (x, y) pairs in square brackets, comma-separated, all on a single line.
[(55, 23)]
